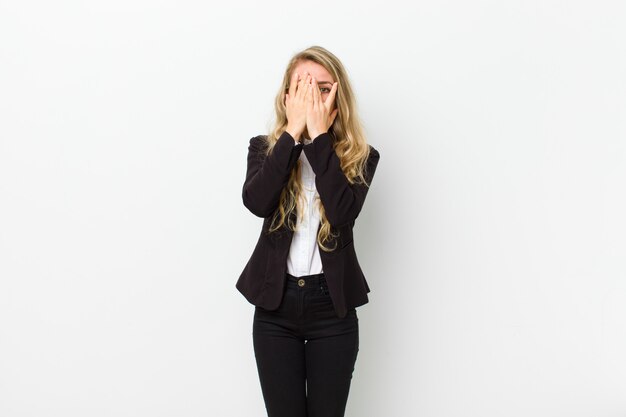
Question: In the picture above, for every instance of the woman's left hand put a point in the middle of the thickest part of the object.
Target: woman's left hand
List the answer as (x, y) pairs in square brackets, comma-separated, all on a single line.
[(320, 114)]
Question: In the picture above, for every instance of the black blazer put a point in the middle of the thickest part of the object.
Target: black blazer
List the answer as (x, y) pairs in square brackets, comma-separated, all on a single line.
[(263, 278)]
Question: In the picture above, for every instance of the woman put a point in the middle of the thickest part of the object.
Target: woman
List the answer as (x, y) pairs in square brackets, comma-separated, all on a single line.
[(308, 179)]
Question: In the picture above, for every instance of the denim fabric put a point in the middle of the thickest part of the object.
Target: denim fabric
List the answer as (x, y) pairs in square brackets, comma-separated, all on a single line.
[(305, 354)]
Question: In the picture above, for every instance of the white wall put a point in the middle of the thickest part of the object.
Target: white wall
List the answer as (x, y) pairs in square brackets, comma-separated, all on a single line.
[(493, 237)]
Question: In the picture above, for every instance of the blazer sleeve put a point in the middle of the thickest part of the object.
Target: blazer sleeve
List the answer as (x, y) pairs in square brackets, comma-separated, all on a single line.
[(266, 176), (342, 201)]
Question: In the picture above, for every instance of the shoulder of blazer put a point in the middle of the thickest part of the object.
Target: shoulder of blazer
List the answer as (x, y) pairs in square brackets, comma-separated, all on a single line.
[(371, 163), (259, 143), (374, 154)]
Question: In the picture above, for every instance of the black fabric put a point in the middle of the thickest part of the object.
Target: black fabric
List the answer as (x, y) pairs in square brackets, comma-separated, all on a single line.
[(263, 277), (305, 354)]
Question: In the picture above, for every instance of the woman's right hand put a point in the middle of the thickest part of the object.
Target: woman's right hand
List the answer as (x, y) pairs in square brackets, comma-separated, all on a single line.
[(296, 104)]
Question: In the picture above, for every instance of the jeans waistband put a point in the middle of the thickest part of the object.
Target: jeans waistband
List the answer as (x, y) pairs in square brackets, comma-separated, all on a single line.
[(306, 281)]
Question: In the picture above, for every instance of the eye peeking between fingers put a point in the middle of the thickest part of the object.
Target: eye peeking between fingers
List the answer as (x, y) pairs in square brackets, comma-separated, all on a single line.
[(323, 90)]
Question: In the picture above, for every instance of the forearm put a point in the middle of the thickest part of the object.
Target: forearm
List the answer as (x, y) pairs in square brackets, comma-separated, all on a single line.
[(266, 176), (342, 200)]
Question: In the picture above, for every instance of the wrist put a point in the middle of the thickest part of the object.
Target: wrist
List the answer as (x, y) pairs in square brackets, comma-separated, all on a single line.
[(315, 134), (295, 134)]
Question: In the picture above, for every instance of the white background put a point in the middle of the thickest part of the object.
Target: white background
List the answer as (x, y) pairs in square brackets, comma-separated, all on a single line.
[(493, 237)]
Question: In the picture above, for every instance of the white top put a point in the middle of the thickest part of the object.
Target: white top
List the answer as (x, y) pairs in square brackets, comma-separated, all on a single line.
[(304, 255)]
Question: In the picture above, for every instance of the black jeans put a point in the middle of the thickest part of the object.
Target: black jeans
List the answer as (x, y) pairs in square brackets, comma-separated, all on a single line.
[(305, 354)]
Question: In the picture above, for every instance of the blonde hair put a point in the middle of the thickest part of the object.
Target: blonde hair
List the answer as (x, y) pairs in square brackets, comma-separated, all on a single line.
[(350, 143)]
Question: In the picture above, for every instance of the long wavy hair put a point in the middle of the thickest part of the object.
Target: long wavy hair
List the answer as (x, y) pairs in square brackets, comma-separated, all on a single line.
[(349, 142)]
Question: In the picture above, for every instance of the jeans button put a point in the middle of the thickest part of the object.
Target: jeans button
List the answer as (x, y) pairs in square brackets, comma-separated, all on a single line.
[(301, 282)]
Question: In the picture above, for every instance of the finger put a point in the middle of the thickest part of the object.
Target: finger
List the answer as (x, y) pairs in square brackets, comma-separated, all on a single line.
[(302, 85), (333, 116), (309, 92), (320, 100), (316, 95), (299, 85), (309, 96), (293, 83), (330, 100)]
